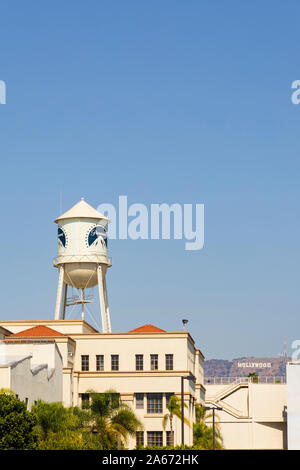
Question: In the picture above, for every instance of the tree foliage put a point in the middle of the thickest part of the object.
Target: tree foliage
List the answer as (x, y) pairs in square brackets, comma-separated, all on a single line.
[(59, 427), (16, 424), (112, 421), (203, 434), (174, 409), (106, 423)]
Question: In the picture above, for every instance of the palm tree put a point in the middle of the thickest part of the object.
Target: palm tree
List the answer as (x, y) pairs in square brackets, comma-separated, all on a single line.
[(254, 377), (203, 434), (200, 413), (112, 421), (54, 418), (203, 437), (174, 408)]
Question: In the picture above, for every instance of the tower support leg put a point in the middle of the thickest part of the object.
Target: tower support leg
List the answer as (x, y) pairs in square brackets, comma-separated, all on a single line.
[(64, 299), (106, 305), (59, 293), (82, 305), (103, 301)]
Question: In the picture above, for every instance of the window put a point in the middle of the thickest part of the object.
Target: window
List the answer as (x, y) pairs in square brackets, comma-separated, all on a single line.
[(154, 403), (169, 361), (170, 438), (84, 362), (26, 402), (168, 396), (139, 362), (140, 438), (154, 438), (139, 400), (154, 361), (99, 362), (114, 362), (85, 401)]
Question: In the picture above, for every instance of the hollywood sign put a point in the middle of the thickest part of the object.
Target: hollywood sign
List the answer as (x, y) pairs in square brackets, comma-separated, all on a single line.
[(256, 365)]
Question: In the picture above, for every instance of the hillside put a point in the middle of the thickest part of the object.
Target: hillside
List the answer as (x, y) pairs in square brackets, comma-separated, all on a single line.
[(242, 366)]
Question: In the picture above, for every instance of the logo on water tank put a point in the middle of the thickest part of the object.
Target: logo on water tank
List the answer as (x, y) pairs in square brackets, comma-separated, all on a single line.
[(97, 234), (62, 238)]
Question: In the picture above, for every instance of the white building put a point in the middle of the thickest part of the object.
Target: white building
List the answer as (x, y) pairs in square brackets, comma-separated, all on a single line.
[(253, 415), (144, 365), (31, 367), (293, 404)]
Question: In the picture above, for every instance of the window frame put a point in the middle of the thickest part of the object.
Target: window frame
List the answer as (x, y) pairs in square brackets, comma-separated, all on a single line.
[(140, 438), (99, 362), (169, 358), (115, 366), (85, 367), (154, 361), (154, 403), (169, 438), (156, 438), (139, 362), (139, 407)]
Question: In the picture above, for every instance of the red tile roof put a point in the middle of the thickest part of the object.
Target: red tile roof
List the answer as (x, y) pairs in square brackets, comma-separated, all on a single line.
[(147, 329), (40, 331)]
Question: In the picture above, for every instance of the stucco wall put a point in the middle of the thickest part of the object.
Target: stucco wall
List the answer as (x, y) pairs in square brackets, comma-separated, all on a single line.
[(30, 383), (260, 418)]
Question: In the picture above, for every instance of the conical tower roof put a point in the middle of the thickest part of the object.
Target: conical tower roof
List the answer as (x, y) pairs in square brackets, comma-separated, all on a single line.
[(82, 210)]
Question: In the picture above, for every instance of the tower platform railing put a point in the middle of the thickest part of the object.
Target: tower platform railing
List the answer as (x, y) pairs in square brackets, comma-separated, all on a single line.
[(90, 258)]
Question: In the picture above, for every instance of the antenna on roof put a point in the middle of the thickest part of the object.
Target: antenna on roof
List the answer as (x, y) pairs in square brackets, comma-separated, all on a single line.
[(184, 322)]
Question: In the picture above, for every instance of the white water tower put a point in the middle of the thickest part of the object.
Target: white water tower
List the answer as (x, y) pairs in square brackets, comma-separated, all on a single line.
[(82, 258)]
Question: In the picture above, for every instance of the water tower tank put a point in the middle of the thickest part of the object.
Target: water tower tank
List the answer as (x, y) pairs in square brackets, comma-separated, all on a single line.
[(82, 257)]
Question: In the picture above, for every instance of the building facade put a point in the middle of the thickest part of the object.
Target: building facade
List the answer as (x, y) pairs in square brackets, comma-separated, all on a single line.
[(293, 404), (252, 416), (144, 366)]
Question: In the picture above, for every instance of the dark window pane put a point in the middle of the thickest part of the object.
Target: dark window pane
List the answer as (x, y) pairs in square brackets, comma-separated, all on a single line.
[(85, 363), (154, 403), (139, 362), (170, 438), (154, 361), (139, 397), (114, 362), (154, 438), (169, 361), (99, 362), (140, 438)]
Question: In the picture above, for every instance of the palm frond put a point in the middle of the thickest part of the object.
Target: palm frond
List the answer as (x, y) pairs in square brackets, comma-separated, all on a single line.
[(165, 421)]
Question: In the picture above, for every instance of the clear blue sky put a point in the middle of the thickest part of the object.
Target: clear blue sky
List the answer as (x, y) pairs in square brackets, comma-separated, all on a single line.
[(173, 101)]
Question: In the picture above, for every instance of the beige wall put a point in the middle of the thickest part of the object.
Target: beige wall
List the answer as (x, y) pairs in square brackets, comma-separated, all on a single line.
[(127, 346), (253, 415), (129, 381)]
